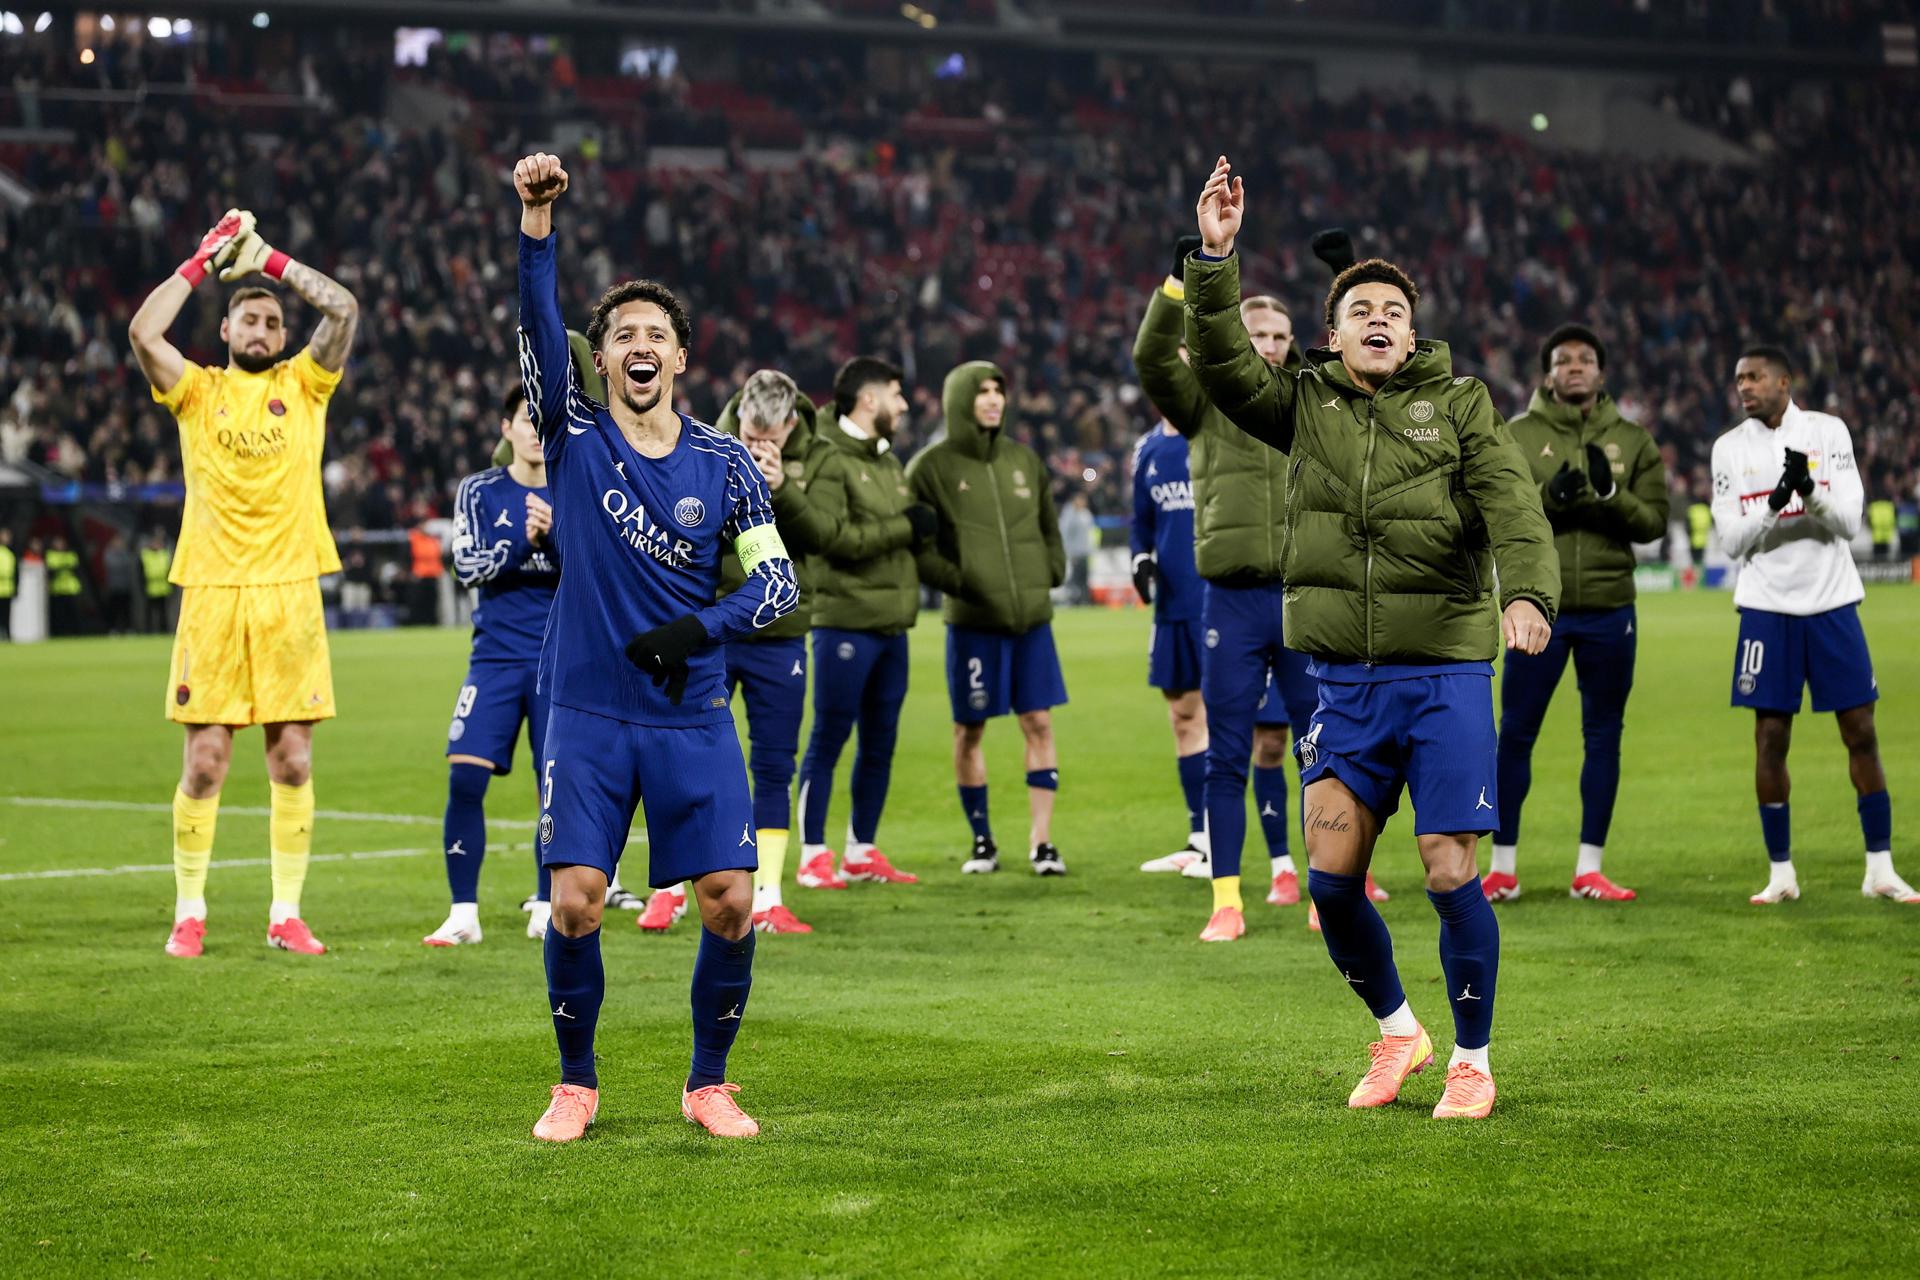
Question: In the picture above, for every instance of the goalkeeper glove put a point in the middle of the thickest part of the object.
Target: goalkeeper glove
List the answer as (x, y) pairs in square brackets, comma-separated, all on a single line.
[(1599, 472), (1796, 478), (1567, 484), (663, 652), (1335, 248), (1145, 571), (249, 254), (233, 224)]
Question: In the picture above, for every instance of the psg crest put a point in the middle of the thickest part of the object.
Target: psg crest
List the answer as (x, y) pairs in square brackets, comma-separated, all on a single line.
[(689, 511)]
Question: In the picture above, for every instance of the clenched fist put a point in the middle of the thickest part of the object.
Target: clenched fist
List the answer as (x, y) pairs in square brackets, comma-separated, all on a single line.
[(538, 180)]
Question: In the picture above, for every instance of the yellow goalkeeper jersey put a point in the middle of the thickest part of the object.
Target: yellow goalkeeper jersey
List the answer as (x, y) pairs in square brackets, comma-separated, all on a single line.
[(251, 445)]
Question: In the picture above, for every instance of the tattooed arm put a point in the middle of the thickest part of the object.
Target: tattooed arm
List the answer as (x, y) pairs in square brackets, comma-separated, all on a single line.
[(338, 309)]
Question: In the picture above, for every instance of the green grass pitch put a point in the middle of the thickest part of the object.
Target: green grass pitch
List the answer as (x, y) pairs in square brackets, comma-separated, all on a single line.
[(1001, 1076)]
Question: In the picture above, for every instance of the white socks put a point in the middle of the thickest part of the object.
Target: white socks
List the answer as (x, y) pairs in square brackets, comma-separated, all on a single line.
[(281, 912), (1505, 859), (1400, 1022), (1476, 1057), (765, 897), (1782, 873), (1282, 864), (196, 908), (1201, 841), (857, 850), (465, 915), (1589, 860), (808, 852), (1880, 864)]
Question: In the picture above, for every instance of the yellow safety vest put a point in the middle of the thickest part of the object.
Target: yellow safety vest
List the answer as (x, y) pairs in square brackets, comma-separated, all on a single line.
[(63, 573), (7, 570), (154, 564), (1880, 519), (1700, 524)]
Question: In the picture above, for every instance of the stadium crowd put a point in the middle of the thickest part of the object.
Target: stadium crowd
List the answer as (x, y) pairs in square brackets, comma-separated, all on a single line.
[(988, 211)]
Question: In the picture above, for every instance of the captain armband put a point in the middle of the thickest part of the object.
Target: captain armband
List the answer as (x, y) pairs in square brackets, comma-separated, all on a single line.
[(758, 545)]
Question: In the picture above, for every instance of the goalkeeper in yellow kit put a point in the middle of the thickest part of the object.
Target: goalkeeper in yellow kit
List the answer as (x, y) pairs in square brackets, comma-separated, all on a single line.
[(251, 647)]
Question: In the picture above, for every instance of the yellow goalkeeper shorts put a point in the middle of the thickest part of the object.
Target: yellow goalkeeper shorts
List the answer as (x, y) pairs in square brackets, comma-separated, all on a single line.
[(251, 655)]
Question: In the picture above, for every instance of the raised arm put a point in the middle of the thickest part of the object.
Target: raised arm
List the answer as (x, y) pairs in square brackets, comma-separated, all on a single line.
[(159, 359), (546, 362), (1163, 375), (339, 312), (1231, 373), (1502, 488)]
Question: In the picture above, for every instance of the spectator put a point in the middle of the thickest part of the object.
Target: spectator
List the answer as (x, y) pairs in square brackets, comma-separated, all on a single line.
[(1079, 535)]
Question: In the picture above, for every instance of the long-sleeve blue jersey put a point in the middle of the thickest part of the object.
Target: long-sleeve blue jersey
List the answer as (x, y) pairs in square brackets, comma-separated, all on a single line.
[(516, 579), (641, 538), (1163, 523)]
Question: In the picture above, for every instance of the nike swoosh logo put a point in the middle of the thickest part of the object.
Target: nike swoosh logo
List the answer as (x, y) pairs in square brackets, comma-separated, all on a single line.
[(576, 431)]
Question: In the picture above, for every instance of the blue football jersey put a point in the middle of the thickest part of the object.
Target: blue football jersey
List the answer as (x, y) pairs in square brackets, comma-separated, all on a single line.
[(1163, 523), (516, 579), (641, 538)]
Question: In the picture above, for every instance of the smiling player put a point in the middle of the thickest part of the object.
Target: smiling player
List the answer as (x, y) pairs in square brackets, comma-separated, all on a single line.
[(645, 501)]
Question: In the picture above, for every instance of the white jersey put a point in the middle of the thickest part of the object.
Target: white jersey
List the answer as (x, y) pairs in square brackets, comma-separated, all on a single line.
[(1796, 560)]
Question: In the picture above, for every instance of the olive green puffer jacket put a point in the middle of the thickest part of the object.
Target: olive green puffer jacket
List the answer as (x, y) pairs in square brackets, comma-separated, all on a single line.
[(998, 553), (1594, 536), (1401, 503)]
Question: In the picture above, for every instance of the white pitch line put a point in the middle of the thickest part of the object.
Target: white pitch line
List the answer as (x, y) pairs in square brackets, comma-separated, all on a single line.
[(249, 811), (136, 868)]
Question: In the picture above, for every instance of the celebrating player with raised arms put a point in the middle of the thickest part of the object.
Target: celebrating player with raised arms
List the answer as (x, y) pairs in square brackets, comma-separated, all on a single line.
[(1604, 488), (1407, 493), (502, 544), (251, 647), (997, 556), (645, 501), (1786, 501)]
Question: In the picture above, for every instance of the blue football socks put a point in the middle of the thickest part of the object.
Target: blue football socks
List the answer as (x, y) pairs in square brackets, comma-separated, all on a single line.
[(1357, 939), (463, 832), (576, 983), (1470, 958), (722, 977)]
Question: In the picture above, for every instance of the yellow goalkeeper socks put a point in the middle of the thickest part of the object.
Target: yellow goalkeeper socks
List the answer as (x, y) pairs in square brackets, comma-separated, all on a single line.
[(290, 836), (1226, 892), (773, 865), (193, 822)]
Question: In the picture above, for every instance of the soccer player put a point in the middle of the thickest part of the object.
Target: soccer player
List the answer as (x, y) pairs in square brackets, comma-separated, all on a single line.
[(997, 555), (1604, 488), (646, 502), (1786, 502), (251, 646), (1255, 689), (862, 528), (1407, 494), (502, 539), (1161, 540)]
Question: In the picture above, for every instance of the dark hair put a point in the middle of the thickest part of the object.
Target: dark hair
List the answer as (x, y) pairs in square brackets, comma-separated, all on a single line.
[(639, 291), (516, 395), (1776, 356), (1372, 271), (1571, 333), (248, 294), (856, 375)]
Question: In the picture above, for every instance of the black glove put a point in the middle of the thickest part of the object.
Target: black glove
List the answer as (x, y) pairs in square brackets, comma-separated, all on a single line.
[(1182, 250), (1335, 248), (1796, 478), (663, 652), (1567, 485), (925, 521), (1599, 472), (1145, 574)]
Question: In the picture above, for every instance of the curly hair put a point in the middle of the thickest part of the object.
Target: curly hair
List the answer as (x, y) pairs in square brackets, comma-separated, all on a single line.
[(1372, 271), (639, 291)]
